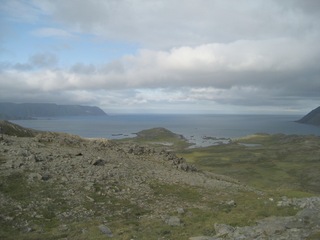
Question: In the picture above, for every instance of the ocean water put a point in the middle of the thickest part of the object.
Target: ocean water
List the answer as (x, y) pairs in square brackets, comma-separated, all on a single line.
[(198, 129)]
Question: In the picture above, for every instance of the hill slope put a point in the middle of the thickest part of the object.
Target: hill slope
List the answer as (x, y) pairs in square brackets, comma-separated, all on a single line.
[(312, 117), (12, 129), (60, 186), (10, 111)]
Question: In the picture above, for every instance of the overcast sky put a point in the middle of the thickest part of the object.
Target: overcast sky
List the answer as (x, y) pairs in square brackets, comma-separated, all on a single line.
[(163, 56)]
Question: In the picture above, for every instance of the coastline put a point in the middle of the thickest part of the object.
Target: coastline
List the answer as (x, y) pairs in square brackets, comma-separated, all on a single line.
[(200, 130)]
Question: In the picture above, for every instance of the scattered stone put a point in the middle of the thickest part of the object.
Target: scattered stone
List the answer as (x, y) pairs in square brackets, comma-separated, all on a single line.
[(90, 199), (99, 162), (204, 238), (105, 230), (231, 203), (223, 229), (34, 176), (180, 210), (173, 221), (45, 177)]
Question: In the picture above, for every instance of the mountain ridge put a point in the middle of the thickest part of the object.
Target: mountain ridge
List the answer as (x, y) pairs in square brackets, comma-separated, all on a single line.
[(13, 111)]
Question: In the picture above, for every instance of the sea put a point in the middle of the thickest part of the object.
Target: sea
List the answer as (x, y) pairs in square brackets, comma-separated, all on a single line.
[(201, 130)]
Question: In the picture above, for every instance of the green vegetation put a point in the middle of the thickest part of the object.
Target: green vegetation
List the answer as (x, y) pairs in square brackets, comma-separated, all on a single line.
[(178, 192), (15, 130), (288, 165), (159, 137), (272, 166)]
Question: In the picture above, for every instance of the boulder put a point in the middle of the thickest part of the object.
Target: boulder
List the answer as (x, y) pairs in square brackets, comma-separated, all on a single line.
[(99, 162), (173, 221), (105, 230)]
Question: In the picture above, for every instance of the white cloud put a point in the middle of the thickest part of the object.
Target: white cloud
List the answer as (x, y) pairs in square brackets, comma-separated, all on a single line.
[(213, 71), (17, 10), (202, 52), (52, 32), (169, 23)]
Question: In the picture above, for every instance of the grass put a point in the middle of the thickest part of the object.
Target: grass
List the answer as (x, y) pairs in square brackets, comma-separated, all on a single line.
[(181, 193), (276, 163), (15, 130)]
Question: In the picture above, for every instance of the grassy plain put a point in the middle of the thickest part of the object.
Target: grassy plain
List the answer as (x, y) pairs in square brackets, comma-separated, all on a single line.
[(281, 164)]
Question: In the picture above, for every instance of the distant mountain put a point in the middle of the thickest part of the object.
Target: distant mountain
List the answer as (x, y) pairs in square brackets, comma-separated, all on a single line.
[(10, 111), (312, 117)]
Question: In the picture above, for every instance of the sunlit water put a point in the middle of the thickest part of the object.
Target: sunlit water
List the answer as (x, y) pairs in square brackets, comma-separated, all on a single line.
[(198, 129)]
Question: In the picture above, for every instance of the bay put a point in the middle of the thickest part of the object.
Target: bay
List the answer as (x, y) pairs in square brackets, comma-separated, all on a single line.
[(202, 130)]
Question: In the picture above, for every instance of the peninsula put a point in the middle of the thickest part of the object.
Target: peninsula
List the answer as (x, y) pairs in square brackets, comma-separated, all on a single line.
[(13, 111), (312, 117)]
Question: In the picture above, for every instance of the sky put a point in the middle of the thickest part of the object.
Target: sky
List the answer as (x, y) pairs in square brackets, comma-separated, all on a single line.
[(163, 56)]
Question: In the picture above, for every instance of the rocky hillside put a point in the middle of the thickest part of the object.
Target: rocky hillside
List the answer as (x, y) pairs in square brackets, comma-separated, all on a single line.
[(312, 117), (60, 186), (10, 111)]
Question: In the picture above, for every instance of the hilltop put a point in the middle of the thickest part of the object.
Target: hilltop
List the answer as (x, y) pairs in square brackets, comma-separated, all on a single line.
[(312, 117), (11, 111), (61, 186), (12, 129)]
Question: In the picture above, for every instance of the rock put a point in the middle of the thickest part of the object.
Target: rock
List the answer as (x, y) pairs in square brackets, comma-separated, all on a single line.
[(204, 238), (99, 162), (183, 166), (223, 229), (173, 221), (272, 225), (34, 176), (45, 177), (231, 203), (105, 230), (180, 210), (90, 199)]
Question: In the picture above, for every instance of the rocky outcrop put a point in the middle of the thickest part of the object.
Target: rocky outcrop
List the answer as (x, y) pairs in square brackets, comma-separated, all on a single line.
[(163, 154), (301, 226)]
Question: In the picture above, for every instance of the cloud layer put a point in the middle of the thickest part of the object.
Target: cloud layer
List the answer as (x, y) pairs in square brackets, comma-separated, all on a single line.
[(216, 56)]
